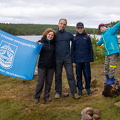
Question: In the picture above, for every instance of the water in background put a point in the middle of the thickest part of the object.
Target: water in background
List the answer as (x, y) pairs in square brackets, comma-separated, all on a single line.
[(31, 38), (36, 38), (99, 36)]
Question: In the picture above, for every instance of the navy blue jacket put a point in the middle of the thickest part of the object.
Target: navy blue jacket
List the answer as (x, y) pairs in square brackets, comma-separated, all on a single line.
[(82, 49), (47, 54), (62, 44)]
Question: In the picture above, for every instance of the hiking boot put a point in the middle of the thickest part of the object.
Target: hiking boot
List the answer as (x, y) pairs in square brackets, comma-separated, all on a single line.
[(76, 96), (47, 99), (57, 96), (89, 92), (36, 100), (80, 92)]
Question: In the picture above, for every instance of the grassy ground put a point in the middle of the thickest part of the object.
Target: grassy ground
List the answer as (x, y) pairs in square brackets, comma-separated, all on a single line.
[(17, 103)]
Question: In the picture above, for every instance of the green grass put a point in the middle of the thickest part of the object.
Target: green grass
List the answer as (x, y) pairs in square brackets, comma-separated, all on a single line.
[(17, 102)]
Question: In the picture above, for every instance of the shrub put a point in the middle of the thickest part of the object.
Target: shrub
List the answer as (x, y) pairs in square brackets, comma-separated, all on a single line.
[(98, 51)]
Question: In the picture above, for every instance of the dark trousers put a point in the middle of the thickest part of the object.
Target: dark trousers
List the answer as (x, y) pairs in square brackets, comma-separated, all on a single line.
[(85, 69), (45, 76), (70, 76)]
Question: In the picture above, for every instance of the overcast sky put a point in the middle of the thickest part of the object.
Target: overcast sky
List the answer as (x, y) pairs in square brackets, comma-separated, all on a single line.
[(90, 12)]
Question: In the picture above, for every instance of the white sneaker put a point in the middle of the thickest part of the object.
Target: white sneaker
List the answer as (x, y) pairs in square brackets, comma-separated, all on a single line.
[(57, 96)]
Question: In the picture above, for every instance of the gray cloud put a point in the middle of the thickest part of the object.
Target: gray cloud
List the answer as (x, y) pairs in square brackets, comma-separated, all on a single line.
[(91, 13)]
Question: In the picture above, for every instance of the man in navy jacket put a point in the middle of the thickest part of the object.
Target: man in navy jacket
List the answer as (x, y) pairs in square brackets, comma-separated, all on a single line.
[(63, 58)]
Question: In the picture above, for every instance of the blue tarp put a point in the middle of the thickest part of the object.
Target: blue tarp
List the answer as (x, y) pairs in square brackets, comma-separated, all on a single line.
[(18, 57)]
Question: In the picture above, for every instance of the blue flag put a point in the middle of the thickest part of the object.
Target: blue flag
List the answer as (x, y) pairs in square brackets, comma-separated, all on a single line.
[(18, 57)]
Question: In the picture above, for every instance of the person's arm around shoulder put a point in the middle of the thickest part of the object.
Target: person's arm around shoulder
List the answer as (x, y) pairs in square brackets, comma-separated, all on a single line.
[(74, 64), (72, 37)]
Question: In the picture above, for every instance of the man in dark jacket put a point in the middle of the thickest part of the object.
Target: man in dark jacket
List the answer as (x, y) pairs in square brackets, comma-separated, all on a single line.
[(63, 58)]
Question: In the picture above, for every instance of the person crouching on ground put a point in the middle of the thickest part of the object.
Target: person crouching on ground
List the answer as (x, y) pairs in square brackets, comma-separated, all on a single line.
[(110, 41), (46, 65), (82, 55)]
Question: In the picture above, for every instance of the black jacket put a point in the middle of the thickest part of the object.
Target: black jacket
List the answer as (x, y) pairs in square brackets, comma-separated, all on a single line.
[(47, 54), (82, 48)]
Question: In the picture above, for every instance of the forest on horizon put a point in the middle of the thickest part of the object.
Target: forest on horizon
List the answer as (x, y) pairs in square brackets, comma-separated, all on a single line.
[(37, 29)]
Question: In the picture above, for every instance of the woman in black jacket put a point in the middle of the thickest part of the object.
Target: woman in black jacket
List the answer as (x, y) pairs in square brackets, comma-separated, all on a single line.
[(46, 65), (82, 55)]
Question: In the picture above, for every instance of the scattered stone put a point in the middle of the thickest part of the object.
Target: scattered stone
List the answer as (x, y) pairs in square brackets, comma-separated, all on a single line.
[(110, 91), (117, 104), (117, 85), (86, 117), (96, 117), (96, 111), (90, 114), (87, 110)]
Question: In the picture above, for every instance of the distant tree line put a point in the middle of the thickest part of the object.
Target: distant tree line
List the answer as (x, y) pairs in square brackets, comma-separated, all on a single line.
[(37, 29)]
